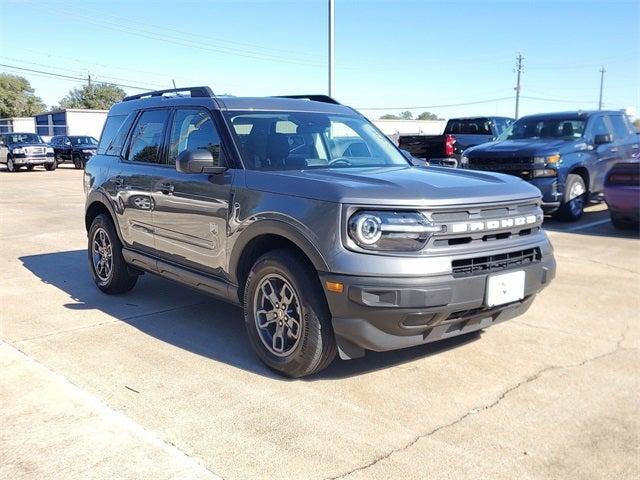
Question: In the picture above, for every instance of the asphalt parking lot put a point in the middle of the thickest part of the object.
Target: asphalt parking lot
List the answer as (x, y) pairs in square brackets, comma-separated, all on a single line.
[(161, 382)]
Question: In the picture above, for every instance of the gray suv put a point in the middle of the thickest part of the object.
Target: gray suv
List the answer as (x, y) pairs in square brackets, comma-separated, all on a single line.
[(301, 211)]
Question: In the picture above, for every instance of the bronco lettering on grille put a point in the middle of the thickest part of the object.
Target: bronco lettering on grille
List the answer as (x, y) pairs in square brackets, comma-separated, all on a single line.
[(494, 224)]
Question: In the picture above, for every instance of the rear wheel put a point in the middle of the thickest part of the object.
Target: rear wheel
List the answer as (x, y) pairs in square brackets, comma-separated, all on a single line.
[(286, 315), (29, 167), (51, 166), (575, 194), (108, 267), (77, 162)]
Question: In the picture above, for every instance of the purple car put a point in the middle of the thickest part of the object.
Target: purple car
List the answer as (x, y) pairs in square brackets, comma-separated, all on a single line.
[(622, 194)]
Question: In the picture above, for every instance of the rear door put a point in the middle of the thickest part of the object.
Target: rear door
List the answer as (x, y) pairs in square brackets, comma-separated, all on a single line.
[(133, 181), (191, 210)]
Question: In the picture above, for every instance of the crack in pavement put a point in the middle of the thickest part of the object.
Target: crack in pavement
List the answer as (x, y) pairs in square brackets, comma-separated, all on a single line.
[(618, 347), (613, 266)]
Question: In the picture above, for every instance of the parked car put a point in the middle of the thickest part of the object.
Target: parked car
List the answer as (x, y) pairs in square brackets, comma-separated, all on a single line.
[(565, 155), (26, 150), (302, 212), (74, 148), (459, 134), (622, 194)]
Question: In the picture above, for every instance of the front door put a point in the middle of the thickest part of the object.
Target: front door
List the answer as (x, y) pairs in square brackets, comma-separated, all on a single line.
[(604, 155), (191, 210)]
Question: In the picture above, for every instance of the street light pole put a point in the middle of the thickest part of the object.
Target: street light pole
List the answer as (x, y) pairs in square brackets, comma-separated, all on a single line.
[(331, 45)]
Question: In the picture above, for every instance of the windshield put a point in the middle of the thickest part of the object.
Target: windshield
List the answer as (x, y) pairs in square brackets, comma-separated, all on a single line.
[(540, 128), (469, 126), (83, 141), (23, 138), (293, 141)]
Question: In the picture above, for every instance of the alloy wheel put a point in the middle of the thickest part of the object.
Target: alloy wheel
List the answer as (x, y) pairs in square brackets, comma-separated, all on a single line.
[(102, 255), (278, 315)]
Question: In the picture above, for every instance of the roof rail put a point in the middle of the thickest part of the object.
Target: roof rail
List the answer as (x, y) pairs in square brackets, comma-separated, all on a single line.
[(314, 98), (194, 91)]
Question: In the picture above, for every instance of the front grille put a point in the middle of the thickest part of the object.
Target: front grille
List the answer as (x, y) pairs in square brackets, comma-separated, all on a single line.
[(518, 166), (495, 263), (35, 150)]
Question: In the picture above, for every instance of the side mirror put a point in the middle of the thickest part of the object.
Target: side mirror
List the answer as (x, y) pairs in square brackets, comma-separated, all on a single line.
[(603, 138), (197, 161)]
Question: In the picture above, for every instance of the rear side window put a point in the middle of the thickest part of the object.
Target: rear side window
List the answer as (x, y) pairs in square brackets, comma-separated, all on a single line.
[(111, 127), (620, 129), (472, 126), (147, 137)]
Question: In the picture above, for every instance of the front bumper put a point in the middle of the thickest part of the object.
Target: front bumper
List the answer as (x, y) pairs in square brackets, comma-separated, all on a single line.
[(552, 191), (24, 159), (387, 313)]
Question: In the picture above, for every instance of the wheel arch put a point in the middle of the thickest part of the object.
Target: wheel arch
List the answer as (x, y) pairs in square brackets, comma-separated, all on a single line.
[(583, 172), (97, 204)]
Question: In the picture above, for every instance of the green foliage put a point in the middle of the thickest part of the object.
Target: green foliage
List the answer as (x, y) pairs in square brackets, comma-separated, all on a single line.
[(406, 115), (100, 97), (17, 98), (389, 116), (429, 116)]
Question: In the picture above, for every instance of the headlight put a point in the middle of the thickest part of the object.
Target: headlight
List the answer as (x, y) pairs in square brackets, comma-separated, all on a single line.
[(547, 160), (88, 151), (390, 231), (18, 150), (49, 150)]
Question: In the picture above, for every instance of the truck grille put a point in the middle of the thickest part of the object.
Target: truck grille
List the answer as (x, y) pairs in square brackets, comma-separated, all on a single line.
[(495, 263), (518, 166), (35, 150)]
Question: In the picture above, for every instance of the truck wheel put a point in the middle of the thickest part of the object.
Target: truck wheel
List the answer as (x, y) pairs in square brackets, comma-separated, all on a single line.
[(51, 166), (77, 162), (108, 268), (286, 315), (29, 167), (575, 194), (10, 165)]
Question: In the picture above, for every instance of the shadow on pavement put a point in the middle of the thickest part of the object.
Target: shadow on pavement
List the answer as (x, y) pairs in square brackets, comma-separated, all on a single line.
[(594, 222), (193, 321)]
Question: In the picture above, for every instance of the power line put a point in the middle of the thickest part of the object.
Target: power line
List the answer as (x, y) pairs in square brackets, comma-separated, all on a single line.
[(492, 100)]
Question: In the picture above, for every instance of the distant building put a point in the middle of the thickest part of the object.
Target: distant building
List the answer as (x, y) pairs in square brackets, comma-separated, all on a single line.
[(17, 124), (410, 127), (71, 121)]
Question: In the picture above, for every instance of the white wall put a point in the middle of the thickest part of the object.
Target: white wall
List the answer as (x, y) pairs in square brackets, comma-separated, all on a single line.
[(86, 122), (407, 127), (24, 124)]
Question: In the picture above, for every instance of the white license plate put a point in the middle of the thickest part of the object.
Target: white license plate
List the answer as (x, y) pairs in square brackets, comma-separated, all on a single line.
[(505, 288)]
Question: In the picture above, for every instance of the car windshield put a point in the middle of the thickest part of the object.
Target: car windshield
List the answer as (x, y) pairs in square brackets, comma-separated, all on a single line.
[(83, 141), (295, 140), (24, 138), (541, 128)]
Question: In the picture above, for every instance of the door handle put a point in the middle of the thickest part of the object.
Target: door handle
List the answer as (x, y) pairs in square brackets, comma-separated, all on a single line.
[(166, 188)]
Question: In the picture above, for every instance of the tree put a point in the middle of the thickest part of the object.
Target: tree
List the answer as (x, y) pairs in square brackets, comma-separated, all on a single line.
[(389, 116), (17, 97), (98, 96), (429, 116), (637, 124), (406, 115)]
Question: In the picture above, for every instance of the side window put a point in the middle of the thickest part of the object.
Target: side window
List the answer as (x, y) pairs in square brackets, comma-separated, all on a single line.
[(599, 127), (147, 137), (111, 126), (194, 130), (620, 130)]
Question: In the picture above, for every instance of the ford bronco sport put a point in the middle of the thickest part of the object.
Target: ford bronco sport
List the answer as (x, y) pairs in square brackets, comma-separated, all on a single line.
[(301, 211)]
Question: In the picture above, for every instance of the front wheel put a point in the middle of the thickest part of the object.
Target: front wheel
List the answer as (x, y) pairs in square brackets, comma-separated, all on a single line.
[(621, 223), (11, 166), (575, 194), (286, 315), (108, 267)]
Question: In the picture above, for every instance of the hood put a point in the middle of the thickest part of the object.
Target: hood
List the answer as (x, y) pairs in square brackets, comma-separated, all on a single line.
[(524, 147), (27, 144), (408, 186)]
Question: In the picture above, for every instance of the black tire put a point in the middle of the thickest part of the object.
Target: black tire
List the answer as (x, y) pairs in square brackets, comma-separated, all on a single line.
[(51, 166), (621, 224), (119, 279), (315, 347), (11, 167), (571, 209), (29, 167), (58, 158), (77, 162)]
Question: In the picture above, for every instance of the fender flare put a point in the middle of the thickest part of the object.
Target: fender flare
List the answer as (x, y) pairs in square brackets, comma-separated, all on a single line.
[(97, 196), (279, 228)]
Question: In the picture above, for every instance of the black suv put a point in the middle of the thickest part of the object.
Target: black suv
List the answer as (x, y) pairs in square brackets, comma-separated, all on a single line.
[(304, 213), (74, 148)]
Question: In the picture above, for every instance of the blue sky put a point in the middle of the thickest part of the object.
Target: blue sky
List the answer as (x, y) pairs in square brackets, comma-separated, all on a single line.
[(393, 54)]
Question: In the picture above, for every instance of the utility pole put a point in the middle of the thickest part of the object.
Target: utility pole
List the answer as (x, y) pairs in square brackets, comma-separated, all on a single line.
[(519, 68), (89, 79), (331, 45), (602, 70)]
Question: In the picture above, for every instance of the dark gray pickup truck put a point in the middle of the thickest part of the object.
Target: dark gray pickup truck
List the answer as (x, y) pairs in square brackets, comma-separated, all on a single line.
[(459, 134)]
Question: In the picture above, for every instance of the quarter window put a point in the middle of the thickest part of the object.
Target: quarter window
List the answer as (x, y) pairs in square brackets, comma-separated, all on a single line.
[(194, 130), (147, 137)]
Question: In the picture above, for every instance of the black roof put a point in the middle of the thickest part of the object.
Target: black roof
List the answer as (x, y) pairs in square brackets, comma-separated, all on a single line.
[(204, 96)]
